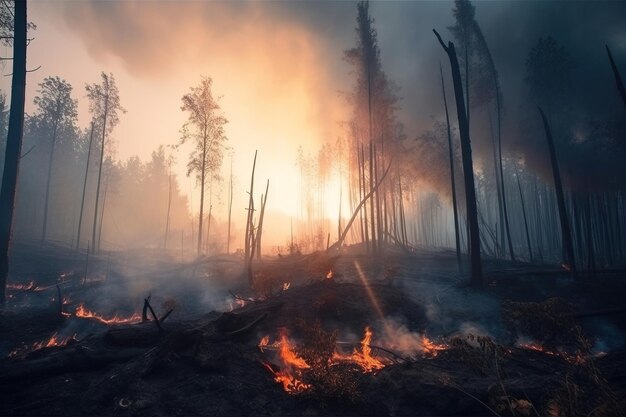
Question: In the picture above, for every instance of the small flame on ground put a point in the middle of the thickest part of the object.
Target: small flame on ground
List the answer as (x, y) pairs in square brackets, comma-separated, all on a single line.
[(364, 358), (566, 266), (53, 341), (292, 364), (330, 274), (84, 312), (25, 287), (286, 285), (431, 348)]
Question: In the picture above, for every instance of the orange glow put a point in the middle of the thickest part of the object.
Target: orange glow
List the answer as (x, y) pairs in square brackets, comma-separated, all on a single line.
[(330, 274), (53, 341), (364, 358), (431, 348), (83, 312), (370, 292)]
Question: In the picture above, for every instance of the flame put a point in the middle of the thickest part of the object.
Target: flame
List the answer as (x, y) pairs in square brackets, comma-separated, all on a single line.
[(566, 266), (329, 275), (83, 312), (431, 348), (364, 358), (286, 285), (264, 342), (53, 341), (292, 364)]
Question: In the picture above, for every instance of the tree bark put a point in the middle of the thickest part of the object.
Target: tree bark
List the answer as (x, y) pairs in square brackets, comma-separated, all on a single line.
[(618, 77), (14, 141), (468, 168), (82, 202), (50, 160), (565, 228), (457, 241), (205, 138), (94, 247)]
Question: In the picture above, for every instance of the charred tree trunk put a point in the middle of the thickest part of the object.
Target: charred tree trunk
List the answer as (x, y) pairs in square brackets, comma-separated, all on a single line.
[(261, 216), (94, 231), (565, 228), (47, 199), (618, 77), (249, 226), (205, 138), (169, 206), (468, 168), (14, 141), (457, 241), (521, 197), (230, 207), (82, 201)]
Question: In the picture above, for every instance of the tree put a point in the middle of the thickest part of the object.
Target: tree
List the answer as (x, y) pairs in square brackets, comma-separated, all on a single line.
[(205, 128), (55, 108), (82, 201), (14, 140), (468, 166), (104, 105)]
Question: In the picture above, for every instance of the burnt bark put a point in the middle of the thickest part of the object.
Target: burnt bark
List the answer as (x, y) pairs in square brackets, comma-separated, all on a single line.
[(14, 141), (618, 77), (468, 168), (558, 185)]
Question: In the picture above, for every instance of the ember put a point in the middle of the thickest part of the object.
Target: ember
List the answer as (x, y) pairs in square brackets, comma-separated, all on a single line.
[(329, 275), (83, 312)]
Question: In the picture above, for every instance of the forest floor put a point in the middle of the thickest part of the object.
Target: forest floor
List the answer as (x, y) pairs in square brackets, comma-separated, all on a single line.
[(401, 333)]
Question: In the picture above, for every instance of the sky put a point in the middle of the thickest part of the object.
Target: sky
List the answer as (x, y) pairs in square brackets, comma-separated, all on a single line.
[(278, 67)]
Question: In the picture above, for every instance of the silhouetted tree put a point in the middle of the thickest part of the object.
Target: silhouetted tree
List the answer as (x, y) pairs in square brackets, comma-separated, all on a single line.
[(14, 140), (205, 128), (468, 167), (55, 108), (104, 105)]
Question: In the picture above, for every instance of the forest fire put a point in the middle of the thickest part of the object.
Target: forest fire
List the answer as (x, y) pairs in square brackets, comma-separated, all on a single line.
[(54, 340), (431, 348), (292, 365), (84, 312)]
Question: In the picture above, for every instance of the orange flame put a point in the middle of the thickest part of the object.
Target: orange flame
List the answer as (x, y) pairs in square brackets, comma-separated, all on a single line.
[(431, 348), (264, 342), (53, 341), (286, 285), (289, 375), (83, 312), (329, 275), (364, 358)]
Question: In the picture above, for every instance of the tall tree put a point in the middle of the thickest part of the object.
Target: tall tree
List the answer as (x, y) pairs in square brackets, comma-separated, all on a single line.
[(468, 166), (14, 140), (566, 233), (82, 200), (205, 128), (104, 105), (56, 108), (618, 78)]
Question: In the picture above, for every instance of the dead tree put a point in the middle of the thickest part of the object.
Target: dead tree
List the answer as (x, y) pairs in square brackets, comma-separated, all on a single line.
[(261, 216), (468, 168), (560, 199), (14, 140), (618, 77), (457, 241), (82, 202), (248, 247)]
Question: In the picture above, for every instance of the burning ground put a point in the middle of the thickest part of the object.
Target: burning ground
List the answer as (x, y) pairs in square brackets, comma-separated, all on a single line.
[(322, 335)]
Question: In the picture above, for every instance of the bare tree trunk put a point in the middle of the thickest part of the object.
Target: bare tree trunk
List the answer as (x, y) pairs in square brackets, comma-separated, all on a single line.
[(94, 247), (230, 206), (14, 141), (618, 77), (358, 208), (82, 201), (208, 227), (104, 202), (261, 216), (50, 160), (205, 138), (169, 206), (457, 241), (468, 168), (565, 228), (521, 196), (249, 226)]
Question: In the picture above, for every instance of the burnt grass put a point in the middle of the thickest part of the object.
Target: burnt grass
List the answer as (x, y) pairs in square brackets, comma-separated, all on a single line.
[(205, 362)]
